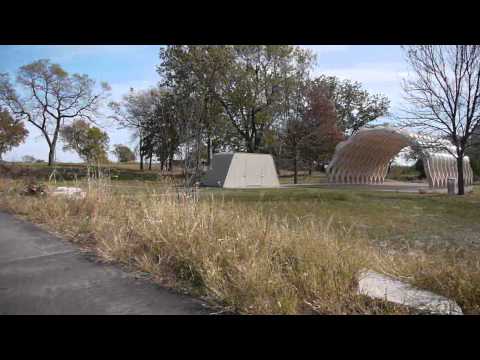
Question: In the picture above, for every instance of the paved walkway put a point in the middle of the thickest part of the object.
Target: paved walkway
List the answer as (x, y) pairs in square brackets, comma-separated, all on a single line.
[(388, 185), (42, 274)]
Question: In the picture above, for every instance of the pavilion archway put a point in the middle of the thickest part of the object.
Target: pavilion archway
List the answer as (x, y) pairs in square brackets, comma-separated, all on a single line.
[(364, 158)]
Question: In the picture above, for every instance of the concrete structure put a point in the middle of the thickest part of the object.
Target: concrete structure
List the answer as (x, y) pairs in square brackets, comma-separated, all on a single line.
[(70, 192), (378, 286), (242, 170), (364, 157)]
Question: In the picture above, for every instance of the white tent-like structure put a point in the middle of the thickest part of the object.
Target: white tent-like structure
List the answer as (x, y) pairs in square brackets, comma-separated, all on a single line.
[(364, 157), (242, 170)]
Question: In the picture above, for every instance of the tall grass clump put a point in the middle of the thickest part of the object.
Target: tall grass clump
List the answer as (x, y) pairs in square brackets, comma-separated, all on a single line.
[(451, 271), (245, 262)]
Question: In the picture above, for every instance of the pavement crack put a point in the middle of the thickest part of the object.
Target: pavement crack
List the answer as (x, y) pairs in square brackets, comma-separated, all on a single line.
[(37, 257)]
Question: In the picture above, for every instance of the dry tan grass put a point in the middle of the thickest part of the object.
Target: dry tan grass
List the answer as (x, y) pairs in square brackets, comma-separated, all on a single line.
[(246, 262)]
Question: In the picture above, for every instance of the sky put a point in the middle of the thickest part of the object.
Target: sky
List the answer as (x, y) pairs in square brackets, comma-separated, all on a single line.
[(378, 67)]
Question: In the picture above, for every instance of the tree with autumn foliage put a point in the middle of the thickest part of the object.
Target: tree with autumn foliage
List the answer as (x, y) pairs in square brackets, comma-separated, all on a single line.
[(323, 135), (12, 133), (355, 106), (310, 137)]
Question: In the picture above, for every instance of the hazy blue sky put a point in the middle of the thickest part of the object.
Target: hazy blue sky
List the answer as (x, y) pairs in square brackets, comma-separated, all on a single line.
[(378, 68)]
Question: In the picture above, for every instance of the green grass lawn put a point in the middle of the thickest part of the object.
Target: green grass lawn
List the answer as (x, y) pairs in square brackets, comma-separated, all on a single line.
[(71, 171), (303, 178), (432, 219)]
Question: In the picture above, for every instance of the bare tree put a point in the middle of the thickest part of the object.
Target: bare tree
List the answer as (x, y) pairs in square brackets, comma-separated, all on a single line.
[(134, 112), (48, 97), (444, 92)]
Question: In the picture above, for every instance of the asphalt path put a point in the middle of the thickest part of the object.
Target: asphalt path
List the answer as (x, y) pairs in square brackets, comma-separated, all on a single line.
[(41, 274)]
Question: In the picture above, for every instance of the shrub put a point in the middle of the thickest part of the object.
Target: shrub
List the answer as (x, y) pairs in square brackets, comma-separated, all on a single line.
[(475, 163), (420, 169), (33, 188)]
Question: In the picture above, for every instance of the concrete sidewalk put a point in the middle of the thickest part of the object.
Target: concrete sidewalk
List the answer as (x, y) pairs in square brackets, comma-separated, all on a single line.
[(42, 274), (387, 186)]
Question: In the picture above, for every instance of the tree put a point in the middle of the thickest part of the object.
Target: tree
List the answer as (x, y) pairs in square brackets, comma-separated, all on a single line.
[(156, 116), (473, 151), (123, 153), (323, 134), (134, 112), (312, 136), (191, 74), (354, 106), (165, 129), (293, 136), (245, 80), (89, 142), (28, 159), (48, 97), (443, 92), (12, 133), (188, 109)]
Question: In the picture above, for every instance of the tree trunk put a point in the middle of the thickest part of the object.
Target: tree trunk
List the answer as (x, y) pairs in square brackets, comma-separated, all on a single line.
[(51, 155), (250, 142), (258, 139), (197, 154), (460, 180), (209, 152), (140, 150), (295, 168), (150, 162)]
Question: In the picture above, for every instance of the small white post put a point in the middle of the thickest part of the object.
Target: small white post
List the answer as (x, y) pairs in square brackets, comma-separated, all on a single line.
[(451, 182)]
